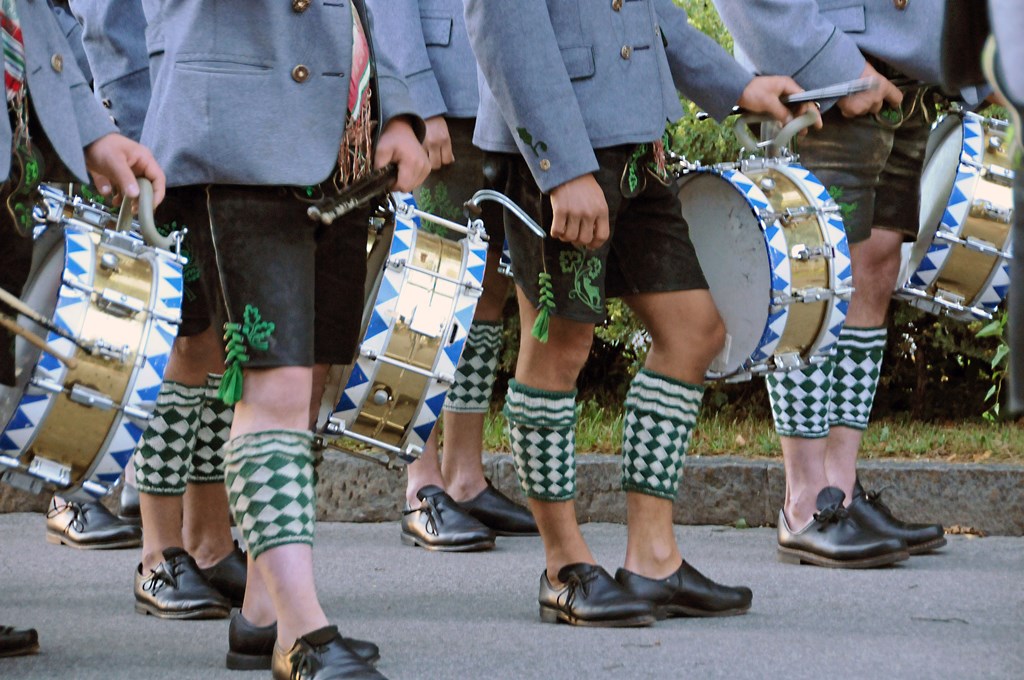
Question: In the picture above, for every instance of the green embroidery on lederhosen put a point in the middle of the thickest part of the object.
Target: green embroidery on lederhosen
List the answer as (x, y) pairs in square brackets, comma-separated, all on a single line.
[(645, 160), (27, 168), (584, 270), (846, 209), (252, 332)]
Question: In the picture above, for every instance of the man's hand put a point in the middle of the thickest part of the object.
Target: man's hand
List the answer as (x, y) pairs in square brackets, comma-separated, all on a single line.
[(114, 161), (870, 101), (438, 143), (580, 213), (764, 94), (398, 144)]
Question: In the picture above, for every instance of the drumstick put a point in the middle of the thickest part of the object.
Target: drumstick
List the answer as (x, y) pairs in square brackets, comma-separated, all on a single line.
[(17, 305), (9, 323)]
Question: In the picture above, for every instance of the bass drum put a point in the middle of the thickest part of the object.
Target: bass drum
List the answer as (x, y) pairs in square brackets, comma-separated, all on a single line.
[(959, 265), (772, 246)]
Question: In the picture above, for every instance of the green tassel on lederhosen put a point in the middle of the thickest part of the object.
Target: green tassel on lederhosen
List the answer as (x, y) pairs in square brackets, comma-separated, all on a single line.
[(253, 332)]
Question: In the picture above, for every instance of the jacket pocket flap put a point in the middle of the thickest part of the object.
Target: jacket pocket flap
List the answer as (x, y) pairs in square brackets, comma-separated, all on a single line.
[(437, 30), (848, 19), (579, 62)]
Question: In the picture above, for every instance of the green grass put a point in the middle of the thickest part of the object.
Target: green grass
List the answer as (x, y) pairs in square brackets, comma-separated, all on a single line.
[(600, 431)]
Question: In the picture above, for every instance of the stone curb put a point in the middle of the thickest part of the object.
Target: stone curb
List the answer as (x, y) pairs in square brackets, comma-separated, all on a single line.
[(717, 490)]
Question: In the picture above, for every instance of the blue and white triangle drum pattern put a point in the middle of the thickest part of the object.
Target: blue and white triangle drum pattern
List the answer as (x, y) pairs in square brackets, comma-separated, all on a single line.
[(841, 271), (382, 318), (149, 361), (778, 260), (958, 205)]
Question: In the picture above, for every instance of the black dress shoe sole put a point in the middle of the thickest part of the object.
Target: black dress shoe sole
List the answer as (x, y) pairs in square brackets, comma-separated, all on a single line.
[(549, 615), (64, 539), (927, 546), (512, 534), (21, 651), (416, 541), (197, 614), (237, 661), (794, 556), (674, 610)]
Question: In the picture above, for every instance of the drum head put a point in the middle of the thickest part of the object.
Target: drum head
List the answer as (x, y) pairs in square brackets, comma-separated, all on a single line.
[(731, 249), (40, 293), (937, 179)]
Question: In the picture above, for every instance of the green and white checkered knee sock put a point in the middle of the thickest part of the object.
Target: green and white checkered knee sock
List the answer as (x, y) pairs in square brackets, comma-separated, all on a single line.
[(859, 355), (269, 477), (207, 462), (161, 459), (474, 378), (660, 415), (542, 431), (801, 400)]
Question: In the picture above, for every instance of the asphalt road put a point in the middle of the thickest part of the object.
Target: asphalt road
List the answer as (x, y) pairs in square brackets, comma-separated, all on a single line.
[(956, 614)]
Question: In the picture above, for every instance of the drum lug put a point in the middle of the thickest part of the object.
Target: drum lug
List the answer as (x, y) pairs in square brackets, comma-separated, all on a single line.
[(119, 304), (802, 296), (787, 361), (20, 480), (47, 385), (987, 210), (90, 397), (104, 349), (50, 471), (974, 244), (802, 253)]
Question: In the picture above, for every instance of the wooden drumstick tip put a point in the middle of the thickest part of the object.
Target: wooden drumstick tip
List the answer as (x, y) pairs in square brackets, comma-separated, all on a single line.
[(37, 341)]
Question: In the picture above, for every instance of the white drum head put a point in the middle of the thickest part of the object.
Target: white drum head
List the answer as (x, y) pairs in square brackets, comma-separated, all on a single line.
[(937, 181), (732, 253)]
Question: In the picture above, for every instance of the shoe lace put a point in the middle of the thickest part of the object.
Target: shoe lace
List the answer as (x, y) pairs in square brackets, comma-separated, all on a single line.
[(832, 514), (575, 584), (158, 578), (77, 510), (875, 499), (432, 510)]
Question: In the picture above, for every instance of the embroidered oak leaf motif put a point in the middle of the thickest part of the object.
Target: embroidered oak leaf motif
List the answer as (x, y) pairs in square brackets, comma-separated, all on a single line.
[(256, 330), (252, 332), (537, 147), (583, 270), (846, 209)]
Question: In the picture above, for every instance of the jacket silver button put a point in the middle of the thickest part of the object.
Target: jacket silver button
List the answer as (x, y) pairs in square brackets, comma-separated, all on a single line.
[(545, 164), (901, 4), (300, 73), (626, 52), (616, 5), (57, 62), (300, 5)]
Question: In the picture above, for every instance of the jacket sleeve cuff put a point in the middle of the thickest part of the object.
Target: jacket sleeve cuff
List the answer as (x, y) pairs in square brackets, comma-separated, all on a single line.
[(550, 172), (838, 60), (93, 121), (395, 102), (426, 93)]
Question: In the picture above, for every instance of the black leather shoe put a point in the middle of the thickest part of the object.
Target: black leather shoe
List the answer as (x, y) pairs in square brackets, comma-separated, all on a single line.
[(176, 589), (441, 524), (89, 526), (687, 592), (500, 514), (834, 539), (129, 510), (18, 642), (250, 647), (321, 655), (871, 513), (228, 576), (589, 596)]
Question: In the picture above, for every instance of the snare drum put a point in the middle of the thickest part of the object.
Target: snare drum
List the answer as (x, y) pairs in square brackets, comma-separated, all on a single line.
[(420, 307), (959, 264), (73, 430), (772, 246)]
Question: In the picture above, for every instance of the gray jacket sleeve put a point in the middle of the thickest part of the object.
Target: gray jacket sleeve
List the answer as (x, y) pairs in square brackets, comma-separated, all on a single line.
[(409, 53), (701, 68), (791, 37), (73, 34), (115, 43), (393, 91), (516, 47)]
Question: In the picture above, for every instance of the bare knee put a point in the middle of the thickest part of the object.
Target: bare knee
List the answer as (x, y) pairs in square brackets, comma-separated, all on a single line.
[(555, 364)]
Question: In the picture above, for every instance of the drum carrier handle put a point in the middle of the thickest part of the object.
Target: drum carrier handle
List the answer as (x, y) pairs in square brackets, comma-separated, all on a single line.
[(147, 224), (774, 146)]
